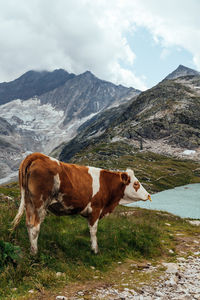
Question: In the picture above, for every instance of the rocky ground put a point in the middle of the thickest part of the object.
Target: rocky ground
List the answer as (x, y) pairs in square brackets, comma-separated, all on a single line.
[(181, 280), (178, 279)]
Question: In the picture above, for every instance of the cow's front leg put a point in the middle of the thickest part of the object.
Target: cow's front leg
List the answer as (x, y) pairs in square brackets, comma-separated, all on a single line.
[(93, 231)]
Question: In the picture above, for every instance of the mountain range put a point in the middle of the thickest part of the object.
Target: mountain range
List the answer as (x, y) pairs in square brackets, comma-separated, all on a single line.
[(45, 109), (164, 119), (65, 113)]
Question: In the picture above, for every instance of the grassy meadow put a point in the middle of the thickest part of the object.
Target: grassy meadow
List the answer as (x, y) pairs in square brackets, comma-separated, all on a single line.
[(64, 242)]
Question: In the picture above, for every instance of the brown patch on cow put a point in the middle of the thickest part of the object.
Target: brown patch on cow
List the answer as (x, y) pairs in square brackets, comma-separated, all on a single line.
[(111, 190), (136, 185), (125, 178)]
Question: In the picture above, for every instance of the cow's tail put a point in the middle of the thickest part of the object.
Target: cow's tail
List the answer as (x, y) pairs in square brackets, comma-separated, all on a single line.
[(23, 189), (20, 212)]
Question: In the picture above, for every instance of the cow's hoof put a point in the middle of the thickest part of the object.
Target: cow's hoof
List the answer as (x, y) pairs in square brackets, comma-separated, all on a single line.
[(33, 252), (95, 251)]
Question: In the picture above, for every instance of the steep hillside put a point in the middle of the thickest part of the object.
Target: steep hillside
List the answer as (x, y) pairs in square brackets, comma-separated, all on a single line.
[(164, 119), (170, 111)]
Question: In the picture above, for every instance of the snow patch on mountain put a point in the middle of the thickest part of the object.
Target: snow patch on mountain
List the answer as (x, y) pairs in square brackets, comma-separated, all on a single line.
[(42, 120), (31, 115)]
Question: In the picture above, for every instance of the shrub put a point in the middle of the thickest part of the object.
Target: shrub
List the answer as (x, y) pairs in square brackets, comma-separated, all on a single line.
[(9, 253)]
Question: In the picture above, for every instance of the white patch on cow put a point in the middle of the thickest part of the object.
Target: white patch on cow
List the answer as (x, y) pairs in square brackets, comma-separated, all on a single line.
[(130, 194), (41, 213), (68, 208), (130, 172), (95, 174), (60, 197), (93, 231), (54, 159), (56, 184), (53, 201), (87, 210)]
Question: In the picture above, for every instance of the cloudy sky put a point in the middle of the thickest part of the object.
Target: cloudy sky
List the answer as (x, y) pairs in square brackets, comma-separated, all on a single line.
[(130, 42)]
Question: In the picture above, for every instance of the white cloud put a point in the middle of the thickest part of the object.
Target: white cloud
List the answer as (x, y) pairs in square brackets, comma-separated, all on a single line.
[(81, 35), (172, 23), (76, 35)]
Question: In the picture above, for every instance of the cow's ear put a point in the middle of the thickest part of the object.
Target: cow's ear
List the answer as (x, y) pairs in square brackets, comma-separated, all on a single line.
[(125, 178)]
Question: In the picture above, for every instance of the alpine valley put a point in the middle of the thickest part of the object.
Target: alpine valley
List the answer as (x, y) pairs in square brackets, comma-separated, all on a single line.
[(81, 118)]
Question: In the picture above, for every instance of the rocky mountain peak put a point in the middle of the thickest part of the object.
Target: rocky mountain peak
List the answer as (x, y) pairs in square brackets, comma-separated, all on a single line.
[(32, 83), (88, 73), (182, 71)]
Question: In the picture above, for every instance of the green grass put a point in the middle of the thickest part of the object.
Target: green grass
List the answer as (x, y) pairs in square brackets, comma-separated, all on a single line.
[(64, 246)]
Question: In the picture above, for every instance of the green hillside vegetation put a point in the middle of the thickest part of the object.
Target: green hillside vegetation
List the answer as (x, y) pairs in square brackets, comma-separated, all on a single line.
[(64, 244), (156, 172)]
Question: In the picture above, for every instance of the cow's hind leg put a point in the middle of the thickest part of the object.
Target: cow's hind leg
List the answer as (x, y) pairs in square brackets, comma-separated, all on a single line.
[(93, 231), (93, 224), (34, 218)]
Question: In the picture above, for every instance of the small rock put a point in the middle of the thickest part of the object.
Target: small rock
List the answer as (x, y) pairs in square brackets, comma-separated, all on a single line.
[(159, 294), (171, 282), (171, 267), (181, 259), (133, 265), (80, 293), (58, 274), (193, 222), (92, 267), (31, 291), (61, 298), (167, 224), (171, 251)]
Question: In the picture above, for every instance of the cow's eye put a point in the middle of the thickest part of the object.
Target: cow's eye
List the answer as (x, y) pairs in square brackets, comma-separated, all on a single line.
[(136, 185)]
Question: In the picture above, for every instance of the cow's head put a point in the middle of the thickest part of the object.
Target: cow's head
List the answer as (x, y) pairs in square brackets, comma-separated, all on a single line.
[(134, 191)]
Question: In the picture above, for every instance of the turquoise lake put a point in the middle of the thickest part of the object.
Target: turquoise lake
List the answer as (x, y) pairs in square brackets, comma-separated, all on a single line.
[(183, 201)]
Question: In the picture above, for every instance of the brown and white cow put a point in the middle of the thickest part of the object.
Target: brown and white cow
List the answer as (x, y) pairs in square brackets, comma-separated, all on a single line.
[(66, 189)]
